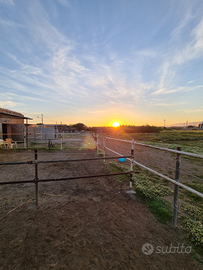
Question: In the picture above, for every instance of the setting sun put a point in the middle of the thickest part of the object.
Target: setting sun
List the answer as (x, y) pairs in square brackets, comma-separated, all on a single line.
[(115, 124)]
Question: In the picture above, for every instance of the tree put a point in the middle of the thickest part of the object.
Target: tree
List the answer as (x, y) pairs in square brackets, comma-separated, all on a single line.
[(80, 126)]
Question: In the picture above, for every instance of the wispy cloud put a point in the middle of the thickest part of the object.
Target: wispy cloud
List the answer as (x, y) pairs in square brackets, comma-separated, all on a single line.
[(169, 104), (93, 60), (179, 89), (193, 49), (96, 111), (64, 3), (8, 104), (7, 2), (190, 82), (9, 23)]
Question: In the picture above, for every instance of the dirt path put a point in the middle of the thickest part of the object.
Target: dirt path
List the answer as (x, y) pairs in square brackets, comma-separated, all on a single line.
[(161, 161), (84, 224)]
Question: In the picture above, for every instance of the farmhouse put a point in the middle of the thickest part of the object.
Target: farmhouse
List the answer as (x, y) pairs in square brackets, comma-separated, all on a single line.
[(201, 126), (12, 125)]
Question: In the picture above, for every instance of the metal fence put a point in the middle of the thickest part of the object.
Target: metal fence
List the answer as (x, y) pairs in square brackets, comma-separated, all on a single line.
[(36, 179), (175, 181), (131, 158)]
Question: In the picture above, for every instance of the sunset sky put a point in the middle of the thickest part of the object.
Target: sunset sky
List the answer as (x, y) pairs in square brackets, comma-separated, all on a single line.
[(101, 61)]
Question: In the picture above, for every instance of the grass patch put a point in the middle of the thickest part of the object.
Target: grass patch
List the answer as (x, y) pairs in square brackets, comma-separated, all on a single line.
[(193, 197), (147, 184), (194, 230), (165, 182), (151, 194), (194, 212), (150, 190), (190, 141), (161, 210), (200, 176), (117, 168), (33, 143)]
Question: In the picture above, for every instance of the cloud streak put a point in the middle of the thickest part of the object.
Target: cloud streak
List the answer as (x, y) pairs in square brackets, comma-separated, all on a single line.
[(88, 60)]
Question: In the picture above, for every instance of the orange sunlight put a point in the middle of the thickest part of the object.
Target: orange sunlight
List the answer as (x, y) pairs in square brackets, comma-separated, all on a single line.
[(115, 124)]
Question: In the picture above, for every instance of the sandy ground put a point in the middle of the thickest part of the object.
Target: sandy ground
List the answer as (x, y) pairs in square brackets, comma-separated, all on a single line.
[(82, 224)]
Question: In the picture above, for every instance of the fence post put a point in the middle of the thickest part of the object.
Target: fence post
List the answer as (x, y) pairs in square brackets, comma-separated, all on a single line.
[(131, 165), (61, 143), (104, 150), (97, 144), (36, 176), (175, 200), (27, 133)]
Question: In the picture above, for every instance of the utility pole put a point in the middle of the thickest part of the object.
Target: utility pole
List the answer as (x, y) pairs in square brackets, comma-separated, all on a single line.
[(41, 118), (164, 123)]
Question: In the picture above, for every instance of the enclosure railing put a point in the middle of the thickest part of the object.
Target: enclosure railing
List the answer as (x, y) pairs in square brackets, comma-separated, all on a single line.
[(178, 153), (37, 180), (58, 138)]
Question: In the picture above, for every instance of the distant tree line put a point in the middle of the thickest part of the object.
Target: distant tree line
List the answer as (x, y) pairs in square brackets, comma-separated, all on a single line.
[(141, 129), (127, 129), (122, 129)]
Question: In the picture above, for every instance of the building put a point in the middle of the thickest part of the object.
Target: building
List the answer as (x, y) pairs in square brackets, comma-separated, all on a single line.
[(12, 125), (201, 126), (41, 133), (63, 128)]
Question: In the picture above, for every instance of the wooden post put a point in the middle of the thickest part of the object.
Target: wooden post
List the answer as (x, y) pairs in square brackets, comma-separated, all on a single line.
[(36, 176), (175, 200)]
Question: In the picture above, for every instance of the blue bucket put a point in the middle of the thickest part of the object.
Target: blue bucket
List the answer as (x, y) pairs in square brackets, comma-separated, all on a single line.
[(121, 159)]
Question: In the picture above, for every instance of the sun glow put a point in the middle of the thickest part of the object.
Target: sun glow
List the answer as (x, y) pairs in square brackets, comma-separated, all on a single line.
[(115, 124)]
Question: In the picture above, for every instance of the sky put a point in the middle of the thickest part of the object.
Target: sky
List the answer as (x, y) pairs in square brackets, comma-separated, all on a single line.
[(96, 62)]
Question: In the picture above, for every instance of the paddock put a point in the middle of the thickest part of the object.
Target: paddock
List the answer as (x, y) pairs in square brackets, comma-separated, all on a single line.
[(78, 224)]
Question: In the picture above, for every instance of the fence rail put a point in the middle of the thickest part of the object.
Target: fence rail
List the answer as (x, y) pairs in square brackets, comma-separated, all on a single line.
[(36, 180), (161, 175), (61, 179), (160, 148), (176, 182), (55, 161)]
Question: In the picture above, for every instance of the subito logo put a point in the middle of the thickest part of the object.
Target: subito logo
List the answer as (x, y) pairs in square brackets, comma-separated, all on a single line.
[(147, 249)]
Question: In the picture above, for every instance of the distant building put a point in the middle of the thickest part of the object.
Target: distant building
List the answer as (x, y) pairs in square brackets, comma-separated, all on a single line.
[(41, 132), (201, 126), (99, 130), (12, 125)]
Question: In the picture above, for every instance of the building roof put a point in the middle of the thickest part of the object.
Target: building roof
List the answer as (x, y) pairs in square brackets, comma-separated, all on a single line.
[(13, 113)]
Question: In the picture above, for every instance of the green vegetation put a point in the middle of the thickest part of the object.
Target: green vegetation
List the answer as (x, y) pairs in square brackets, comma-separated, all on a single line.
[(192, 197), (149, 189), (157, 196), (116, 168), (189, 141), (193, 223), (79, 126), (160, 208), (194, 230), (194, 212)]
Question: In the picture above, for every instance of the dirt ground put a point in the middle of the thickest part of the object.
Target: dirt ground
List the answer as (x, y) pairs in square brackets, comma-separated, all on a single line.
[(87, 224), (161, 161)]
